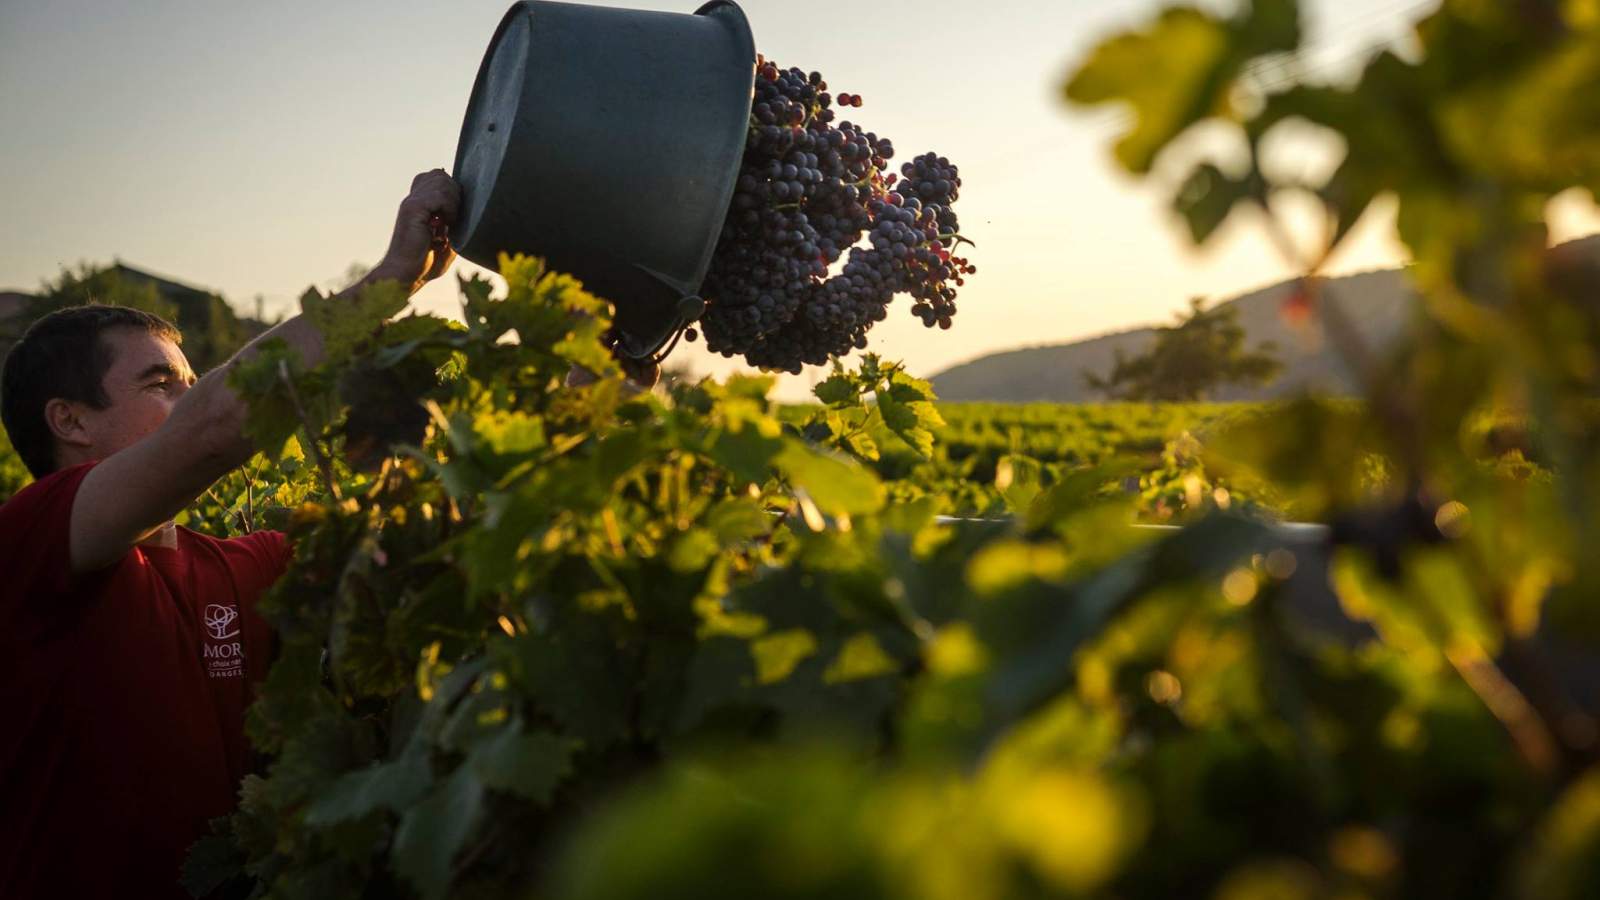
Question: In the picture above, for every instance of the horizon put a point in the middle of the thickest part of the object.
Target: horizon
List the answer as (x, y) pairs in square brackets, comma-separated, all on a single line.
[(255, 151)]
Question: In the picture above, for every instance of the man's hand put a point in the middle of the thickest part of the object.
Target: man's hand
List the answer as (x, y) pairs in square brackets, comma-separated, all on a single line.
[(416, 255), (641, 375)]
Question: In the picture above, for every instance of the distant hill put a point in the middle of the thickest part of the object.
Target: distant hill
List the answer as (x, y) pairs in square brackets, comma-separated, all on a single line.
[(1379, 304), (13, 303)]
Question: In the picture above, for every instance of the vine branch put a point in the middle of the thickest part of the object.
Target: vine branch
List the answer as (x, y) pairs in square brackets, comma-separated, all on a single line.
[(324, 464)]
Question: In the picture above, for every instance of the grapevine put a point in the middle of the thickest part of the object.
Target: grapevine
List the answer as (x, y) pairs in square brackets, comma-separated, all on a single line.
[(810, 189), (567, 641)]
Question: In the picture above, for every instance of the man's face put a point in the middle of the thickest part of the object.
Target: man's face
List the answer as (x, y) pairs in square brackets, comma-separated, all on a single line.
[(148, 375)]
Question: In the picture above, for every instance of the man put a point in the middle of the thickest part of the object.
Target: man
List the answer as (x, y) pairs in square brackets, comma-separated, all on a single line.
[(129, 646)]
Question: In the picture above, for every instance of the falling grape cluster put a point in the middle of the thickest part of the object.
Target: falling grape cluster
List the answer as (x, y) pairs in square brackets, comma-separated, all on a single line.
[(810, 189)]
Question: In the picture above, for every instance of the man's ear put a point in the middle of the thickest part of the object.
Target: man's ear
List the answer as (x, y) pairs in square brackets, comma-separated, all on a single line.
[(65, 419)]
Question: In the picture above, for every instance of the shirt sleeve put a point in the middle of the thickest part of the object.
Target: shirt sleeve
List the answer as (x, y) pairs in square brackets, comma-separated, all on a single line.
[(36, 531), (36, 543), (269, 553)]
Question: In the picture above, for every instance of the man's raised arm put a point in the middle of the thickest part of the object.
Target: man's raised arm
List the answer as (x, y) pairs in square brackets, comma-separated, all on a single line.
[(132, 493)]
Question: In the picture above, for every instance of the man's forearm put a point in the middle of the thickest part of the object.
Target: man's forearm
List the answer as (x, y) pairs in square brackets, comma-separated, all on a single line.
[(215, 414)]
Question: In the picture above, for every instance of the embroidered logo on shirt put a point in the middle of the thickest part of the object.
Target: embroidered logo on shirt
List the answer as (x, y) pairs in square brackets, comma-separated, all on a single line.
[(223, 660), (220, 621)]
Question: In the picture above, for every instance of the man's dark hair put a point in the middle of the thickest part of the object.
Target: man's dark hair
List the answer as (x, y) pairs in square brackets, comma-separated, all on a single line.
[(63, 355)]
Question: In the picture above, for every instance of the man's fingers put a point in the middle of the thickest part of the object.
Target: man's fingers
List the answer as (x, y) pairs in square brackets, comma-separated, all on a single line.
[(578, 376), (424, 176), (441, 260), (442, 199), (445, 201), (642, 372)]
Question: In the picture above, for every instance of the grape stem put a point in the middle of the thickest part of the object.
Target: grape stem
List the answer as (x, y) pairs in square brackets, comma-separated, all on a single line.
[(247, 516), (947, 237)]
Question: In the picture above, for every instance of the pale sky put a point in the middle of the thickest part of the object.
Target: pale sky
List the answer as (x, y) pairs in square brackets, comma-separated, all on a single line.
[(257, 148)]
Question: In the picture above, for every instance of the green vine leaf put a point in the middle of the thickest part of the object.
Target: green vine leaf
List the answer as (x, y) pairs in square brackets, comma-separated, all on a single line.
[(213, 861), (349, 323), (271, 417), (838, 390), (528, 765), (392, 786), (908, 410), (1207, 198), (833, 483), (432, 831), (1180, 71), (1172, 76)]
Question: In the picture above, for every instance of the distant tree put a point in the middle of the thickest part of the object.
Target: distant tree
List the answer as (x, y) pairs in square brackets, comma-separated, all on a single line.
[(1189, 360), (212, 331), (106, 285), (87, 284)]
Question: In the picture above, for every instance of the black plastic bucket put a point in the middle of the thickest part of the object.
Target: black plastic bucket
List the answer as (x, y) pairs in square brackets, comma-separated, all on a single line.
[(608, 142)]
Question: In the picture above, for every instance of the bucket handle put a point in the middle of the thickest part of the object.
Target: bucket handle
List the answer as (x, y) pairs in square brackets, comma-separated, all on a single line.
[(690, 308)]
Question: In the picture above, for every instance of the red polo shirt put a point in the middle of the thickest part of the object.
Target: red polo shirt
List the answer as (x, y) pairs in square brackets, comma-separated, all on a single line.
[(122, 697)]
